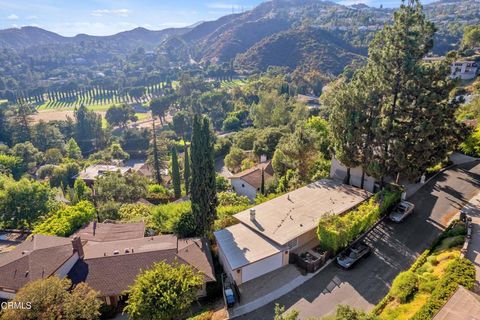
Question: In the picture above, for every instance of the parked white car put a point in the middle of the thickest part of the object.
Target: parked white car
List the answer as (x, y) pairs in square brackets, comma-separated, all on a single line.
[(401, 211)]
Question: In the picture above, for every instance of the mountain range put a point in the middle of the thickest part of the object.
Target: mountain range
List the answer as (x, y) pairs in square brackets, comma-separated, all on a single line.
[(290, 33)]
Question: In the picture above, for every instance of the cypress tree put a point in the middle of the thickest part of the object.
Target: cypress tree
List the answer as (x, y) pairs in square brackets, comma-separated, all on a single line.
[(203, 186), (186, 170), (156, 160), (177, 189)]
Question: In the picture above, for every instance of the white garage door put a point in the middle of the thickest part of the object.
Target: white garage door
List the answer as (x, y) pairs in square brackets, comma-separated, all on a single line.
[(261, 267)]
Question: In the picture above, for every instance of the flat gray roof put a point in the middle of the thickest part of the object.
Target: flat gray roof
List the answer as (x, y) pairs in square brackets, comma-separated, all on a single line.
[(285, 218), (242, 246)]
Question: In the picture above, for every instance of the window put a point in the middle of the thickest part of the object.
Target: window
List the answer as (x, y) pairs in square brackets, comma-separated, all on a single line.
[(292, 243)]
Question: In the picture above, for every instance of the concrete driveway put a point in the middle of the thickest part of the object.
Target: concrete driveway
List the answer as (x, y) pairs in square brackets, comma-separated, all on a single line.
[(396, 247)]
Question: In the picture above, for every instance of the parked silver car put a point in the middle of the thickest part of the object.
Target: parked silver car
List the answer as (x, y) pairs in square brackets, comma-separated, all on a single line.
[(401, 211), (352, 254)]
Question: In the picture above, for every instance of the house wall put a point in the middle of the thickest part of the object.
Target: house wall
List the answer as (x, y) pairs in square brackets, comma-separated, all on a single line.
[(67, 266), (243, 189), (261, 267), (6, 295), (339, 172), (307, 237)]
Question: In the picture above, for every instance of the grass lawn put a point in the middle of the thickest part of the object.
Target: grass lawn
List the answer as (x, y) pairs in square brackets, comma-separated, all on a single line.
[(233, 83)]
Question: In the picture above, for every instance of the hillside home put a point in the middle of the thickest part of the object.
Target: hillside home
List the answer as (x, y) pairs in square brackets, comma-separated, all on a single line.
[(269, 232), (464, 70), (108, 257), (248, 183), (91, 173)]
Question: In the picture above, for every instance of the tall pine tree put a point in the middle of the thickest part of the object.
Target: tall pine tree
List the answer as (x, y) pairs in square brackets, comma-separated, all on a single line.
[(395, 116), (203, 188), (177, 188)]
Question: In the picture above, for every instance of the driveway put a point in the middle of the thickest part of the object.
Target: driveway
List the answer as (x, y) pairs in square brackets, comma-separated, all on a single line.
[(396, 247)]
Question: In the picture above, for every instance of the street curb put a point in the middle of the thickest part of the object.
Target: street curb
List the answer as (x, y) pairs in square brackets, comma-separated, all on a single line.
[(439, 172)]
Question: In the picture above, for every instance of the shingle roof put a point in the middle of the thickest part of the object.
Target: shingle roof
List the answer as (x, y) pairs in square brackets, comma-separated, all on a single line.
[(253, 176), (113, 274), (112, 231), (37, 257)]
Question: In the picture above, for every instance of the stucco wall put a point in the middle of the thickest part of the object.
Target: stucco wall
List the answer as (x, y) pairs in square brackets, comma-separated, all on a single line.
[(339, 172), (244, 189)]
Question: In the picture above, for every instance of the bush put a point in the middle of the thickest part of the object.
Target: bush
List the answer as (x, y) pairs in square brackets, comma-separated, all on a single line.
[(66, 221), (459, 272), (231, 123), (166, 216), (404, 286), (232, 199), (205, 315)]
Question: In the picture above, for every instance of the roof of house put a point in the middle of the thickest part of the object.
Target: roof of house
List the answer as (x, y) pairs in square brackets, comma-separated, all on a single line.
[(462, 305), (37, 257), (114, 274), (92, 172), (111, 231), (286, 217), (242, 246), (111, 267), (253, 176)]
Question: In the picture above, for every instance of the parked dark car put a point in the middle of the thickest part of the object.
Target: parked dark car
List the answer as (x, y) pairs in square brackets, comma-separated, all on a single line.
[(352, 254), (401, 211)]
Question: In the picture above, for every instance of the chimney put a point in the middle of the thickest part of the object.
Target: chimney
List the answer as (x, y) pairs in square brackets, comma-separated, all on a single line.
[(94, 227), (78, 247), (252, 214)]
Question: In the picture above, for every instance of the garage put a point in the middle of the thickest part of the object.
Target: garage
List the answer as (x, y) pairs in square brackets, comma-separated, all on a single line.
[(245, 255), (262, 267)]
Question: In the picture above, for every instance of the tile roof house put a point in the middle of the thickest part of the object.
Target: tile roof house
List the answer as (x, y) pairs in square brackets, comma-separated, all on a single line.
[(247, 183), (108, 259), (268, 232)]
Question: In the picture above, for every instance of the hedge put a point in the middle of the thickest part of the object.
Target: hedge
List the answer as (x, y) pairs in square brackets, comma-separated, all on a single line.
[(336, 232), (404, 286), (459, 272)]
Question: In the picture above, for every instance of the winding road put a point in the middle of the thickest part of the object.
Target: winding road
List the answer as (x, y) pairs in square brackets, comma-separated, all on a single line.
[(395, 248)]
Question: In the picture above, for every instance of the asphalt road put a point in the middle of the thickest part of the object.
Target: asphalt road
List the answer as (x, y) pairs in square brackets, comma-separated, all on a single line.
[(395, 248)]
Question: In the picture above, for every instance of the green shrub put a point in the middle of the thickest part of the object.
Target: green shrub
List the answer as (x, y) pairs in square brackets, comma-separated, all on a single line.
[(205, 315), (404, 286), (432, 260), (166, 216), (427, 282), (459, 272), (66, 221), (232, 199)]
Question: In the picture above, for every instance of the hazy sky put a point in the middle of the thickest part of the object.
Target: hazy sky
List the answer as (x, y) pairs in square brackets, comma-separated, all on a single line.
[(103, 17)]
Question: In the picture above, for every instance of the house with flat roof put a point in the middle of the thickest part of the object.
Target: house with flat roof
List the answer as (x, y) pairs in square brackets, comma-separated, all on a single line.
[(269, 232), (464, 70), (248, 183), (108, 258), (91, 173)]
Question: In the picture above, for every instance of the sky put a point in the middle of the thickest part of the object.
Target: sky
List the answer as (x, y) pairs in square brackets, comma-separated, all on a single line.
[(105, 17)]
